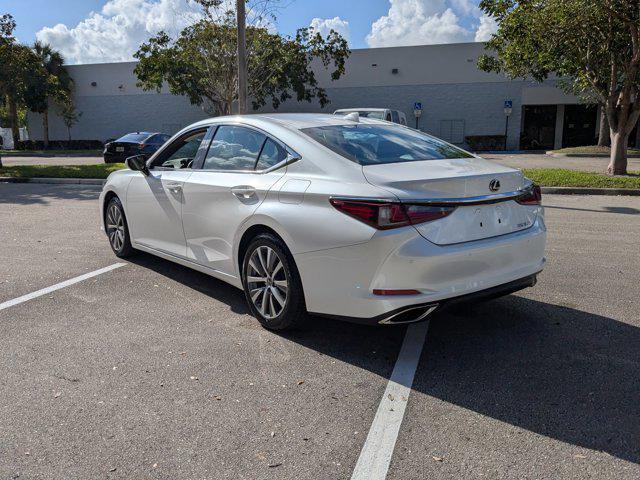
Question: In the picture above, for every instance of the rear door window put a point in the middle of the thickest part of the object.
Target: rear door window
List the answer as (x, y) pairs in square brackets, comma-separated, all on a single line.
[(234, 148), (394, 116), (272, 154)]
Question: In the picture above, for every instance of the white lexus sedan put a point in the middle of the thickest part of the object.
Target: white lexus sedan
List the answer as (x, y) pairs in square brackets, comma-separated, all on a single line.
[(345, 217)]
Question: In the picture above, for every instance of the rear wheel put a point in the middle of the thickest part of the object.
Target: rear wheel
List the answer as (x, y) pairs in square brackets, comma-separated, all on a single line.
[(272, 284), (115, 224)]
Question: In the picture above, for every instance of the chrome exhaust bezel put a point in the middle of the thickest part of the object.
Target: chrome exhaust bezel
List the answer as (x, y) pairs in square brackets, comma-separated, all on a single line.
[(428, 310)]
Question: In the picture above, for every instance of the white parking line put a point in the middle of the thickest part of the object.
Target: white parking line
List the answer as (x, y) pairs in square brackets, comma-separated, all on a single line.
[(376, 453), (58, 286)]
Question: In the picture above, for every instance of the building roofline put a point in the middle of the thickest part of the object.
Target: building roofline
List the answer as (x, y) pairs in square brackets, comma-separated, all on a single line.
[(430, 45)]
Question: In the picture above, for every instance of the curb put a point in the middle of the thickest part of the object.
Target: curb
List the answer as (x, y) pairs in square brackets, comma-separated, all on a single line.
[(55, 181), (634, 192), (584, 155), (546, 190), (50, 155)]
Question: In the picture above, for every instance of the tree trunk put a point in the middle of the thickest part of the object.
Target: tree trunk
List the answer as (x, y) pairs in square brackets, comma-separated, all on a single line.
[(618, 162), (13, 118), (69, 133), (45, 128), (604, 137)]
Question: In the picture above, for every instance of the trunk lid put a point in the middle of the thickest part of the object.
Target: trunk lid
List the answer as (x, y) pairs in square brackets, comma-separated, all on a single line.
[(456, 180), (124, 148)]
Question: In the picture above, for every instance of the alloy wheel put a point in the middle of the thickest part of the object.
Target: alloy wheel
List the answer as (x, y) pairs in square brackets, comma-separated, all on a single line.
[(115, 227), (267, 282)]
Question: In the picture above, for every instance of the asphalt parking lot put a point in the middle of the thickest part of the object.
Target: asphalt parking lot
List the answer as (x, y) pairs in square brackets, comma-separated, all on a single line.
[(151, 370)]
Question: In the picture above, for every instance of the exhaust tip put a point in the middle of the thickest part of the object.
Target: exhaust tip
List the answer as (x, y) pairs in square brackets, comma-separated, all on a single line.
[(410, 315)]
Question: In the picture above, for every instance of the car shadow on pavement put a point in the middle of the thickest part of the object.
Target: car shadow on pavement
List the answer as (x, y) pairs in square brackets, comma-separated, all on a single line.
[(205, 284), (43, 194), (559, 372), (554, 370)]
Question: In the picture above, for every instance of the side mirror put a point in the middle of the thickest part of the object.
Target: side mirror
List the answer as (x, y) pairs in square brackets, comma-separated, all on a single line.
[(138, 163)]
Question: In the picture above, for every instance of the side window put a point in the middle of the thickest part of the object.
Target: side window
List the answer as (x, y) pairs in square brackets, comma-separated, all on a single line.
[(271, 155), (388, 119), (234, 148), (395, 117), (181, 152)]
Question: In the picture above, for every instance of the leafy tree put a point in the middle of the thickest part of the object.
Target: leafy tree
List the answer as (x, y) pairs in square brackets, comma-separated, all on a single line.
[(15, 63), (48, 81), (201, 64), (70, 116), (592, 45)]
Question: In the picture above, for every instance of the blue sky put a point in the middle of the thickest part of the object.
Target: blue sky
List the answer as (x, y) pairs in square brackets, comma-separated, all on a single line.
[(89, 31)]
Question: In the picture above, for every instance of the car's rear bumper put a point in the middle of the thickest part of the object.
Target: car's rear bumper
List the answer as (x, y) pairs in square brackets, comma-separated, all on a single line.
[(119, 157), (114, 157), (340, 281), (418, 312)]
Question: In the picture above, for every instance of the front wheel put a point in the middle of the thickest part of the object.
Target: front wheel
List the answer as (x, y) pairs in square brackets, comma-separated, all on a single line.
[(272, 284), (115, 224)]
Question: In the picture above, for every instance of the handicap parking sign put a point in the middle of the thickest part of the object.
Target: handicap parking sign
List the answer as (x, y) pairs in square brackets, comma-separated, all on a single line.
[(417, 106), (508, 104)]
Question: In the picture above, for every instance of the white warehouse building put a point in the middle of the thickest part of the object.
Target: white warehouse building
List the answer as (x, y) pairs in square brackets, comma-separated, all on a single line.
[(459, 101)]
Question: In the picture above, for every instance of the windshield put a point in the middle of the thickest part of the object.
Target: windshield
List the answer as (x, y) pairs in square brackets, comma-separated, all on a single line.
[(134, 137), (376, 144), (379, 115)]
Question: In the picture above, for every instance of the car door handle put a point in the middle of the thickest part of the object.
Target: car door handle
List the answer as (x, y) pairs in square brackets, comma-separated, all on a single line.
[(174, 187), (243, 192)]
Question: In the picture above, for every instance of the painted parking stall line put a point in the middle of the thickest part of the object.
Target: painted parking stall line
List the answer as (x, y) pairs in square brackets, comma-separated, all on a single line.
[(58, 286), (376, 453)]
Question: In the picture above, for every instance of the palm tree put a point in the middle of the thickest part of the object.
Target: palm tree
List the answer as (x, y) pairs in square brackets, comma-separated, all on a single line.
[(59, 80)]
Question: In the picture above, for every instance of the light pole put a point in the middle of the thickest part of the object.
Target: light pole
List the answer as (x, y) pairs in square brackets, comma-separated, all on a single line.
[(242, 57)]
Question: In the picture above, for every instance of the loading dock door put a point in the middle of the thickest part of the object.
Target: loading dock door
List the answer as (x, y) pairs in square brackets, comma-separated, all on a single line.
[(539, 127), (579, 125)]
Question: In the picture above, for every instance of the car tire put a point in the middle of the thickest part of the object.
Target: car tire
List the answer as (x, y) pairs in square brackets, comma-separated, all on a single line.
[(272, 284), (117, 229)]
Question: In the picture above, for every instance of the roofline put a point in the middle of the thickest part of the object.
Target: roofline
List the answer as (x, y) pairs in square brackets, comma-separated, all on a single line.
[(430, 45)]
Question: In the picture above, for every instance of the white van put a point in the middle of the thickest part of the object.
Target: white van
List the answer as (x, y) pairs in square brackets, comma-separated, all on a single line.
[(389, 115)]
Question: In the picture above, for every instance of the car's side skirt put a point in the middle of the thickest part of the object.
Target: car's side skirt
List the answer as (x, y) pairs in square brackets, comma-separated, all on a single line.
[(225, 277)]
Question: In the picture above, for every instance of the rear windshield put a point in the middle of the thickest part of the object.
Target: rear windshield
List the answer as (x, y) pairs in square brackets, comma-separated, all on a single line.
[(134, 137), (376, 144), (365, 113)]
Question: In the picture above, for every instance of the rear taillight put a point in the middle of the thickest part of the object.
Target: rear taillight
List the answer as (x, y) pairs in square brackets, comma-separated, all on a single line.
[(141, 146), (386, 215), (532, 197)]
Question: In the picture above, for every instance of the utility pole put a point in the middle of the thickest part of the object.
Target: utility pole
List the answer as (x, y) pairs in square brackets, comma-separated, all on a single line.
[(242, 57)]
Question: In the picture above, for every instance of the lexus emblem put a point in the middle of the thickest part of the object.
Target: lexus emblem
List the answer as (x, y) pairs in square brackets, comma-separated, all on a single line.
[(494, 185)]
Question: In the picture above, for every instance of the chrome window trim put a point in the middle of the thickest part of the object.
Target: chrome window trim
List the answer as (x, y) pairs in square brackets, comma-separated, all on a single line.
[(292, 155)]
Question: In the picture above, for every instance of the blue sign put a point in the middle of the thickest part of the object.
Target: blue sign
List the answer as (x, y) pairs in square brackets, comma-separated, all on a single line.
[(508, 104), (417, 106)]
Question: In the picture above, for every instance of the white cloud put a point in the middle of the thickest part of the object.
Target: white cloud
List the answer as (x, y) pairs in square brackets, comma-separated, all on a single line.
[(488, 26), (465, 7), (325, 25), (420, 22), (117, 31)]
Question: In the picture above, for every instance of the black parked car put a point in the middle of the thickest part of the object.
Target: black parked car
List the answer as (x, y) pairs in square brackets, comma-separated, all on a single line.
[(138, 143)]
